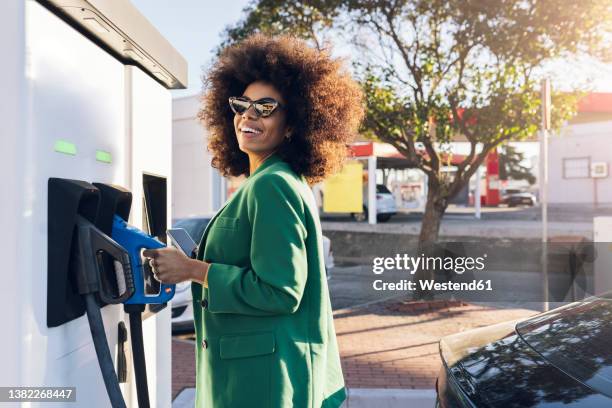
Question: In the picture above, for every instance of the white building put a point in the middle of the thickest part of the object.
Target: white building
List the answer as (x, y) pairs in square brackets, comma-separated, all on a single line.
[(197, 188), (580, 157)]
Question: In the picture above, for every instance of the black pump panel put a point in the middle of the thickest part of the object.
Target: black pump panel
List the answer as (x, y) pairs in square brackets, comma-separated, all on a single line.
[(115, 200), (67, 199), (97, 204)]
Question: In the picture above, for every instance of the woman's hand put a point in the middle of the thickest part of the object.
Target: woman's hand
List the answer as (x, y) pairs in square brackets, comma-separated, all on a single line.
[(171, 266)]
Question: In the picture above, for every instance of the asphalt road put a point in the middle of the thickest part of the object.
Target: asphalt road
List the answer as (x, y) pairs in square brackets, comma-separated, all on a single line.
[(353, 285)]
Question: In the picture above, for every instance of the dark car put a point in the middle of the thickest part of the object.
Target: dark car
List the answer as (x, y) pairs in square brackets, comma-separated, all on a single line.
[(194, 226), (562, 358), (514, 198)]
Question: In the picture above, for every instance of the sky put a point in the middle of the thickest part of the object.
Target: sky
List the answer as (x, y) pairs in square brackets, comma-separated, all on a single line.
[(194, 28)]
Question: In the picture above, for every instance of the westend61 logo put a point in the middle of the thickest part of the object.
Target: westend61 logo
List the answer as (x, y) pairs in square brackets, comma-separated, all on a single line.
[(449, 266), (414, 263)]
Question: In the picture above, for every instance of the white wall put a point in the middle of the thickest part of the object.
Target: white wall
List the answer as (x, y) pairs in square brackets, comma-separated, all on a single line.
[(15, 240), (592, 140), (75, 92), (195, 184)]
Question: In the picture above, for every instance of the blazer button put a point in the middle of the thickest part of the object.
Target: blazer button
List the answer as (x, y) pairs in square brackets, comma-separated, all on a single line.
[(204, 304), (204, 344)]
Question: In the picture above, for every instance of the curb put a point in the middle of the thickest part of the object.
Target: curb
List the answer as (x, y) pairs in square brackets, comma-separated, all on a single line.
[(389, 398), (185, 399), (370, 303), (357, 398)]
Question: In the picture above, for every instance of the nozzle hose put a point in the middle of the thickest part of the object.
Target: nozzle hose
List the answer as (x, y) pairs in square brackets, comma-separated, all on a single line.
[(96, 325), (138, 354)]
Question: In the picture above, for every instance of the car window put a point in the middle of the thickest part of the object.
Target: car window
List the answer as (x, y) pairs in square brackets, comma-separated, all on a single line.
[(382, 189), (576, 339), (194, 226)]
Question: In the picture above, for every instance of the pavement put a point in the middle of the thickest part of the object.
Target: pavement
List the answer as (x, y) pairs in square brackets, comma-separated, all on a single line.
[(495, 222), (183, 367), (462, 226), (393, 344), (388, 349)]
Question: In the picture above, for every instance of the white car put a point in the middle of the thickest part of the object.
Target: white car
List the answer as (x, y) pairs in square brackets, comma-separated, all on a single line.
[(514, 198), (182, 307), (385, 205)]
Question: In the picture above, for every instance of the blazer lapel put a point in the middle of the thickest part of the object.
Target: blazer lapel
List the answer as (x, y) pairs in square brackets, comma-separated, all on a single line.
[(267, 163), (203, 240)]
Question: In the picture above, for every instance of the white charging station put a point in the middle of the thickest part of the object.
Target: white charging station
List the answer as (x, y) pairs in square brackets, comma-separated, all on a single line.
[(86, 97)]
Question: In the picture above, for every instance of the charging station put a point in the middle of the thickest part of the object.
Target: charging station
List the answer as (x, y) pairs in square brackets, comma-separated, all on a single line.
[(87, 119)]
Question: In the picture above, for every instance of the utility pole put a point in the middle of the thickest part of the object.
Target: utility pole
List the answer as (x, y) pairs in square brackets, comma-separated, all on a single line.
[(477, 194), (546, 106)]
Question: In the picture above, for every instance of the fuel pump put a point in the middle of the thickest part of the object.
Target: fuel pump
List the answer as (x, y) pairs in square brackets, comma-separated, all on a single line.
[(147, 290), (88, 270)]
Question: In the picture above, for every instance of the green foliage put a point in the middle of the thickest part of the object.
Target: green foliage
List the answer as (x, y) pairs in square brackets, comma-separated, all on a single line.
[(436, 71), (511, 167), (306, 20)]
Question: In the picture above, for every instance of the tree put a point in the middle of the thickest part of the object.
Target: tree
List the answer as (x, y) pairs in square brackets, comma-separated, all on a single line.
[(436, 71), (305, 19), (510, 167)]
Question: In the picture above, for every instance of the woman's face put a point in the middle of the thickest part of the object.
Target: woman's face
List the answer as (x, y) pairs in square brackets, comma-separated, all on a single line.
[(260, 136)]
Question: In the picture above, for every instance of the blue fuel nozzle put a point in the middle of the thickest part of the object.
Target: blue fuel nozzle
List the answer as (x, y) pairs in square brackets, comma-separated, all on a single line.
[(147, 290)]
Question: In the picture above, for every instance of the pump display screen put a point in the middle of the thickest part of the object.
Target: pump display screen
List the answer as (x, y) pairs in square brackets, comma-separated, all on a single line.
[(155, 217), (155, 212)]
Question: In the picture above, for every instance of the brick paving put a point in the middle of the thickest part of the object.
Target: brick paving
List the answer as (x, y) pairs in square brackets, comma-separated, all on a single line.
[(183, 365), (395, 345), (382, 345)]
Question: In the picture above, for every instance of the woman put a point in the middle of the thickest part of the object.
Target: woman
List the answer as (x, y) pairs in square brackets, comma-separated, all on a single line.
[(280, 113)]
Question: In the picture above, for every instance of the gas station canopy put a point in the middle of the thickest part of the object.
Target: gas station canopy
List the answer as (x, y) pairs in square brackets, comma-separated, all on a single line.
[(388, 157)]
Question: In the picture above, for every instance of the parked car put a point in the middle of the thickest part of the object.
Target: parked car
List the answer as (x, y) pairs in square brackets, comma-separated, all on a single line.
[(182, 308), (562, 358), (514, 198), (385, 205)]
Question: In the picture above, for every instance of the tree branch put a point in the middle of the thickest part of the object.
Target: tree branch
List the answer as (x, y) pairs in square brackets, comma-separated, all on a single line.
[(407, 60)]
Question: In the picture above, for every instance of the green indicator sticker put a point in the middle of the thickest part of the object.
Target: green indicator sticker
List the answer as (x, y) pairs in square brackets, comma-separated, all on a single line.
[(62, 146), (104, 157)]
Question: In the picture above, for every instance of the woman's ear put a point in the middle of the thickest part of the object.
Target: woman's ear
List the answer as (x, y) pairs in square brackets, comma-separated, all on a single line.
[(288, 133)]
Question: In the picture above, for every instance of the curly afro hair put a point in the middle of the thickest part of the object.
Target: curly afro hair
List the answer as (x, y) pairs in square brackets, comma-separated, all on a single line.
[(324, 104)]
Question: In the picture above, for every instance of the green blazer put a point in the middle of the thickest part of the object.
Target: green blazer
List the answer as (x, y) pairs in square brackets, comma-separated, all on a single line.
[(264, 326)]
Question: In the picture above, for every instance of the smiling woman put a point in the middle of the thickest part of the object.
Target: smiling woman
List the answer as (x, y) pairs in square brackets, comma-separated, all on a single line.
[(320, 102), (280, 113), (258, 131)]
